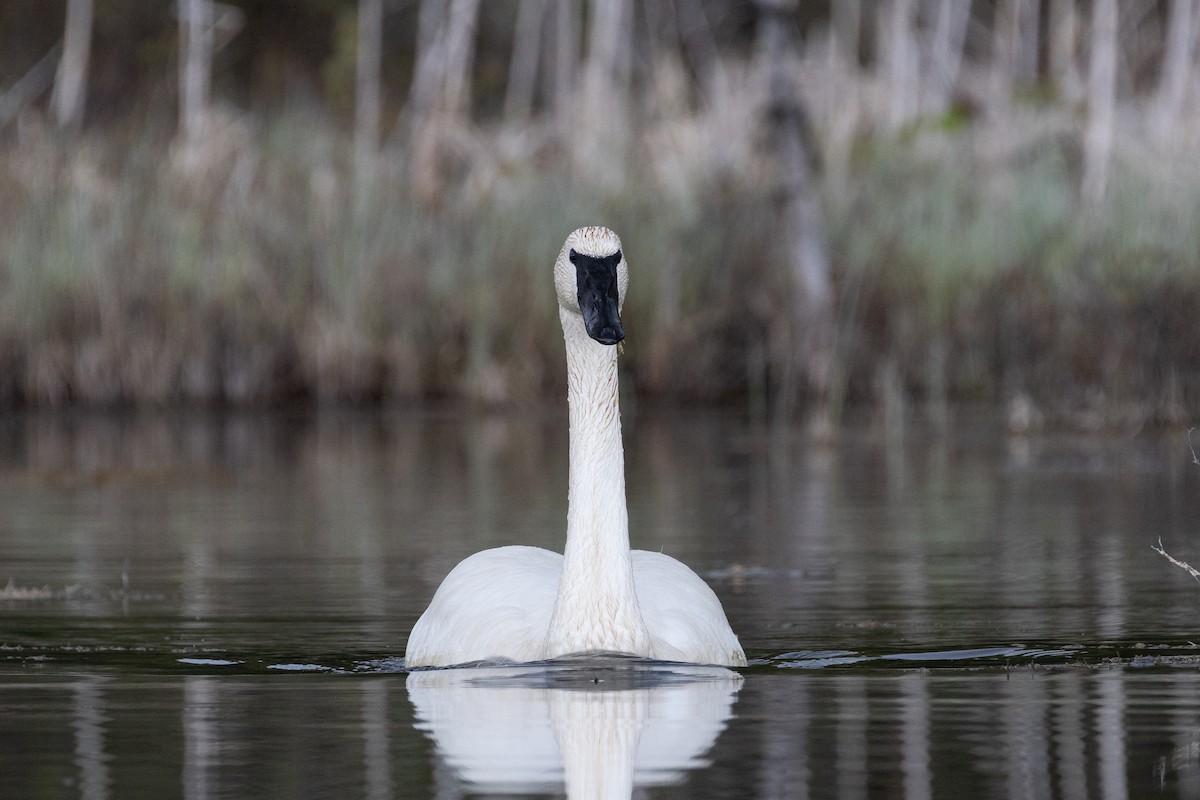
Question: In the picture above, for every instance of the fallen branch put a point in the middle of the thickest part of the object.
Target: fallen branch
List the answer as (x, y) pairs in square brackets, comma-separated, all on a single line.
[(37, 80), (1183, 565)]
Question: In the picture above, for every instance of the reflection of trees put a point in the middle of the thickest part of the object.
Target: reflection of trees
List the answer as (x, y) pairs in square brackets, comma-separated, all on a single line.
[(856, 545), (1109, 733), (348, 523), (202, 740), (92, 758)]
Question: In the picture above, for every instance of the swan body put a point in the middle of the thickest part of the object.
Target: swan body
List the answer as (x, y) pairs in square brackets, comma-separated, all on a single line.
[(528, 604)]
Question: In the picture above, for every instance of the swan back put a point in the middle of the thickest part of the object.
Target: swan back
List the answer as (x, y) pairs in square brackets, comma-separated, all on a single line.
[(495, 605), (684, 615)]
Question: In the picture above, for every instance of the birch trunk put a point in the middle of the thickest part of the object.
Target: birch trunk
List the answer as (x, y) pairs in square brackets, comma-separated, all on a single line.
[(1015, 40), (460, 56), (1101, 97), (599, 144), (945, 52), (195, 68), (602, 72), (901, 61), (367, 91), (441, 91), (1178, 69), (70, 85), (431, 53)]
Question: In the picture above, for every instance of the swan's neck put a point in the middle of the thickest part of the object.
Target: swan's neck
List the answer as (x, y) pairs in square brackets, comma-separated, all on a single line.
[(597, 607)]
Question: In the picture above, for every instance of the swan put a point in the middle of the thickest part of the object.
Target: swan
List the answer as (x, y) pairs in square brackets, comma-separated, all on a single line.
[(520, 603)]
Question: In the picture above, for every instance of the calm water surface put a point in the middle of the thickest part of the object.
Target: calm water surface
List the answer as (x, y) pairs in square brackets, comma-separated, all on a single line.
[(217, 607)]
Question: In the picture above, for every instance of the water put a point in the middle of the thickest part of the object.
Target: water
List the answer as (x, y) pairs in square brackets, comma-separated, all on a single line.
[(206, 607)]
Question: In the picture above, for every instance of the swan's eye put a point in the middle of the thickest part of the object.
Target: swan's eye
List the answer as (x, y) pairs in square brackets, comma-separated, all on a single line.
[(574, 257)]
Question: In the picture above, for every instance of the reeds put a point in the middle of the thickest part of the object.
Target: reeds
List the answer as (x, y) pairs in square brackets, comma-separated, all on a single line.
[(263, 271), (1028, 294)]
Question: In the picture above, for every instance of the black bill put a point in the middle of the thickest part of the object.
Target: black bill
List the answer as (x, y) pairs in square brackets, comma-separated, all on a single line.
[(596, 284)]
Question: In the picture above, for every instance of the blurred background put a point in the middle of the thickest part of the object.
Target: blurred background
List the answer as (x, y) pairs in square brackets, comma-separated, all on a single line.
[(904, 203)]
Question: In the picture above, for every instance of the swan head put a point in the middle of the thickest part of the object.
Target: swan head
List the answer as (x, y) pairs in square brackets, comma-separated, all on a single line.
[(591, 277)]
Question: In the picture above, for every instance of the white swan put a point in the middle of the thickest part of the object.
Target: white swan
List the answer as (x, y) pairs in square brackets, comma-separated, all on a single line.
[(528, 604)]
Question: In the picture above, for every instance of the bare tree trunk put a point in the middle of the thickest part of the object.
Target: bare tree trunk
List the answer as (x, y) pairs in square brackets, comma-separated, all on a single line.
[(598, 144), (846, 22), (604, 68), (945, 52), (431, 56), (804, 349), (1063, 33), (896, 17), (1015, 40), (1027, 44), (367, 89), (37, 80), (565, 64), (423, 95), (460, 56), (1178, 67), (441, 90), (195, 67), (70, 85), (523, 68), (1101, 96)]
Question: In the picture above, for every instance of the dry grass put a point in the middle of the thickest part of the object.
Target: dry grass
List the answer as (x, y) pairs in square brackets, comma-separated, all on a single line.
[(258, 270)]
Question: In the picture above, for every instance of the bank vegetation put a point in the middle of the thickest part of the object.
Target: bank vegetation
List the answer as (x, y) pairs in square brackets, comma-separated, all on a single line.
[(905, 203)]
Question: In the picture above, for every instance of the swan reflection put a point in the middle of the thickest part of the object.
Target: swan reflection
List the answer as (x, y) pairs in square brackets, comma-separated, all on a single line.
[(597, 726)]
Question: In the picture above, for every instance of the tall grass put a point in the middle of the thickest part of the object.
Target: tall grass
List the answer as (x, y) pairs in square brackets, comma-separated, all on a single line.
[(1029, 294), (263, 271), (270, 273)]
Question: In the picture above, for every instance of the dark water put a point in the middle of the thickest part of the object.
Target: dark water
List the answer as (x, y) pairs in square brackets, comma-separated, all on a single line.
[(216, 607)]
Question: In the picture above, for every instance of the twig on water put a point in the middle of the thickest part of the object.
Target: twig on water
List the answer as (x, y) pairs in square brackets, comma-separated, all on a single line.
[(1191, 446), (1183, 565)]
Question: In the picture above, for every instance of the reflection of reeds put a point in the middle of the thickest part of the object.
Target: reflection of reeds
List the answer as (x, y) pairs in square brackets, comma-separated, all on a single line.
[(261, 271)]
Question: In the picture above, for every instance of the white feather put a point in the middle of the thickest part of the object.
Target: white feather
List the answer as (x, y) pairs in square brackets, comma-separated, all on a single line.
[(525, 603)]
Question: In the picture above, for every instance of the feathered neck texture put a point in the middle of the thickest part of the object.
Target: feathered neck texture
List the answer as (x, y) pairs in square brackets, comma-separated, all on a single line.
[(597, 607)]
